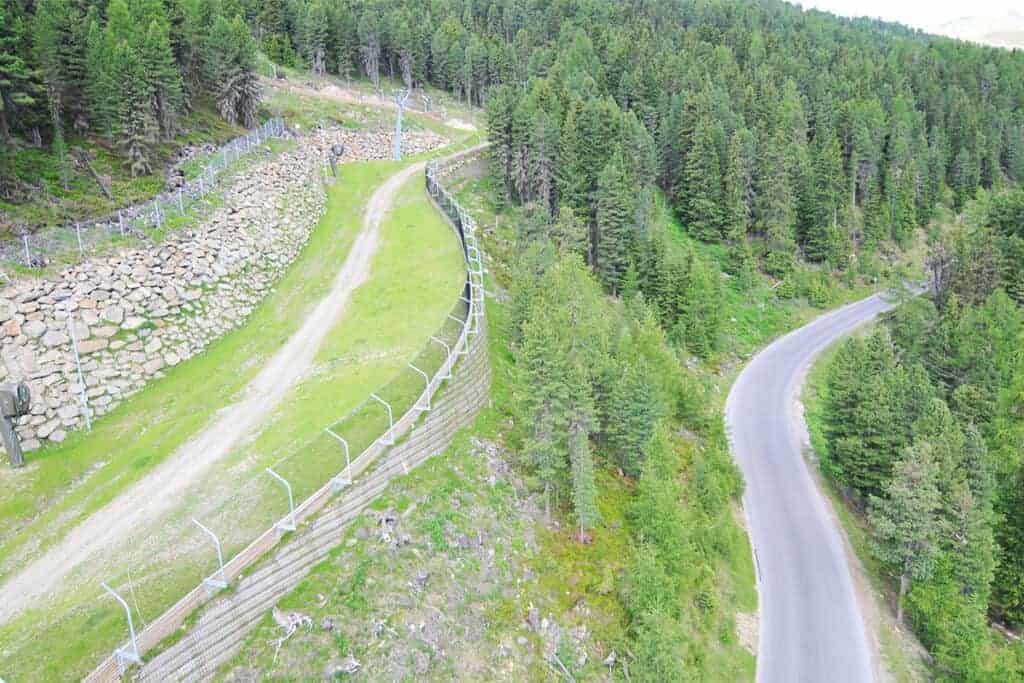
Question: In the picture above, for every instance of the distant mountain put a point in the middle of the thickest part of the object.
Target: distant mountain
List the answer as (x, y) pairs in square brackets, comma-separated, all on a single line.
[(1002, 31)]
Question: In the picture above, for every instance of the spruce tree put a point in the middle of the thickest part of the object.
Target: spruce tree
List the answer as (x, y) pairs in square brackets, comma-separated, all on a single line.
[(162, 76), (701, 309), (737, 189), (232, 71), (584, 490), (615, 212), (700, 191), (905, 519), (775, 210), (569, 233), (544, 366), (138, 129), (102, 86), (633, 413), (18, 81)]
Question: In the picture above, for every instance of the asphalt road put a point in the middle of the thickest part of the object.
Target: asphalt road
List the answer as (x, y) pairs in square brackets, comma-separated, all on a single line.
[(811, 625)]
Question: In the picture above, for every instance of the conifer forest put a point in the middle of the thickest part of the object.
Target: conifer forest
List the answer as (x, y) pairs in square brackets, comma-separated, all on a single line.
[(666, 176)]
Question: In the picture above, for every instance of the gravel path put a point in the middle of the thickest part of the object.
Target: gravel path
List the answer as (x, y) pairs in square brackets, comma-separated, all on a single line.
[(162, 489), (812, 628)]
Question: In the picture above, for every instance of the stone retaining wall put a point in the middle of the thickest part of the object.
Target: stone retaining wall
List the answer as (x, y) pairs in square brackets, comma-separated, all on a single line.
[(144, 309)]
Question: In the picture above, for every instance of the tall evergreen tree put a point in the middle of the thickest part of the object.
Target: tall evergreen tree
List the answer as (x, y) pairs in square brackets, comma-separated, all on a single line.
[(737, 188), (615, 212), (584, 490), (906, 521), (700, 191), (18, 85), (232, 71), (138, 129)]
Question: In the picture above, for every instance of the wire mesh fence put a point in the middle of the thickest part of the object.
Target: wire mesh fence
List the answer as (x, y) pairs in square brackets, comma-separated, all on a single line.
[(217, 534), (76, 240)]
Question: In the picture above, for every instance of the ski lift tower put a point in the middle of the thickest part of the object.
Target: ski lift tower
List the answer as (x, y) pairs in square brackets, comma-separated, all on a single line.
[(400, 98)]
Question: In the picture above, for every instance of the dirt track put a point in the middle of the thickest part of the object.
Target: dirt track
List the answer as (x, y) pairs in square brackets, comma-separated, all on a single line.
[(161, 489)]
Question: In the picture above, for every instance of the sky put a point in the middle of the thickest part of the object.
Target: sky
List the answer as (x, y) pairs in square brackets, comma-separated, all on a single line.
[(923, 14)]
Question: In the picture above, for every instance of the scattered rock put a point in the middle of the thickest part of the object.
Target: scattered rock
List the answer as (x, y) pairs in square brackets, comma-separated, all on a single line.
[(33, 329), (348, 666)]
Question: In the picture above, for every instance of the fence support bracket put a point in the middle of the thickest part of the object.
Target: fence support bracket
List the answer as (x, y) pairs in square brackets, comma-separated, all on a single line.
[(212, 584), (387, 438), (288, 523), (124, 655), (340, 481)]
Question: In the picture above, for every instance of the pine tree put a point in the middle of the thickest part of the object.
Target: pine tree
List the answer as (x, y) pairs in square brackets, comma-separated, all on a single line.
[(315, 28), (656, 514), (584, 490), (572, 181), (701, 309), (906, 521), (972, 543), (737, 189), (232, 71), (700, 191), (775, 209), (162, 76), (615, 211), (18, 84), (102, 87), (822, 240), (58, 39), (964, 177), (569, 233), (633, 413), (501, 102), (544, 366), (137, 130)]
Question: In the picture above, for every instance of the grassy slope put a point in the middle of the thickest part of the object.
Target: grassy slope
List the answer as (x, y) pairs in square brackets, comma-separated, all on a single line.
[(471, 613), (416, 276), (83, 199)]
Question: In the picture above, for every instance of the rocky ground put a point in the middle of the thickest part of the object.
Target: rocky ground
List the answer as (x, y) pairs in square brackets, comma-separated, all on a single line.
[(143, 309), (441, 581)]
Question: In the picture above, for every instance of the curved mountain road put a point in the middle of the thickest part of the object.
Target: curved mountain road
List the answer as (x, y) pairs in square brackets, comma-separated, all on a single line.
[(811, 626)]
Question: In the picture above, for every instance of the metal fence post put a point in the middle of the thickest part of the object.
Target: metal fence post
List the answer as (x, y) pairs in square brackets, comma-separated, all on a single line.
[(210, 582), (387, 439), (78, 234), (426, 390), (120, 653), (120, 221), (28, 256), (181, 204), (283, 525), (81, 377), (447, 354), (396, 148), (340, 483)]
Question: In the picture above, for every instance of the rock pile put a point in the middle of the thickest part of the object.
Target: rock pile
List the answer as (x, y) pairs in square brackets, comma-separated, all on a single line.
[(142, 310)]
